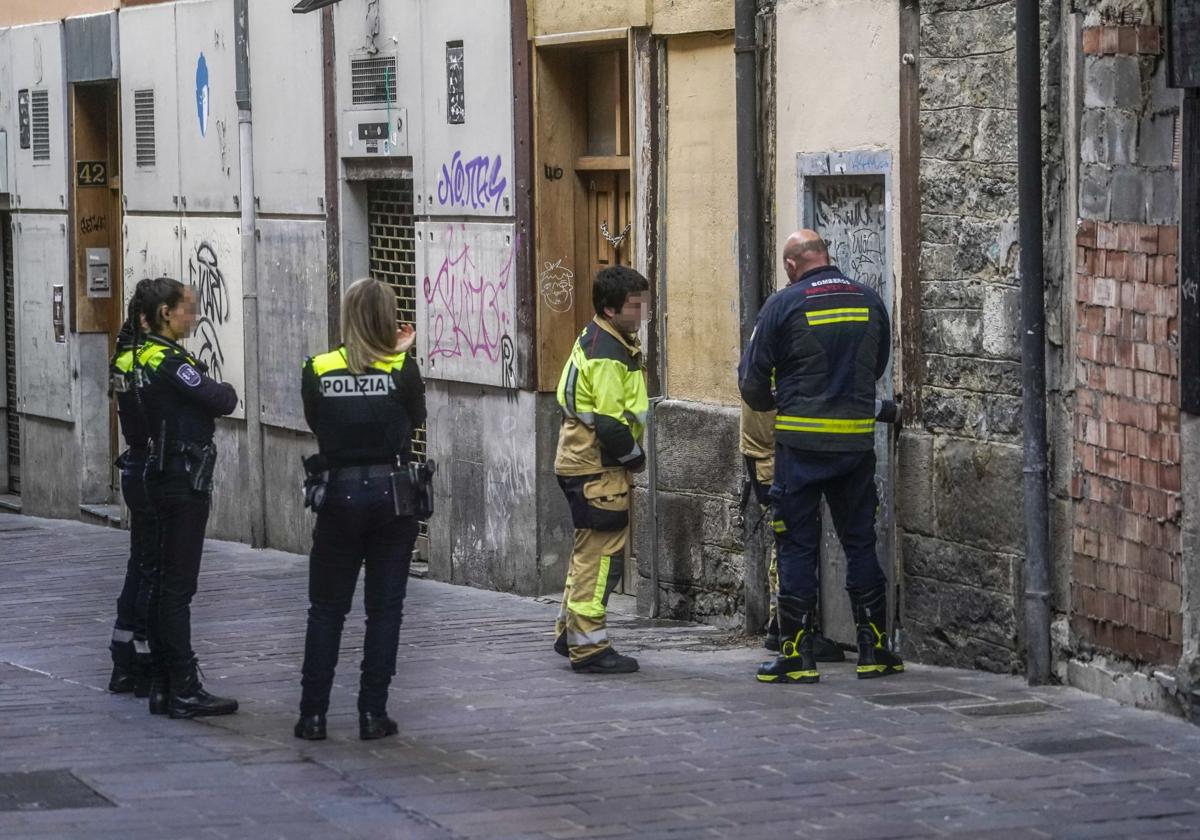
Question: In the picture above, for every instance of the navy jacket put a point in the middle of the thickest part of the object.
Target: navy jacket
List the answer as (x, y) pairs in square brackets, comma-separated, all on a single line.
[(180, 397), (818, 348)]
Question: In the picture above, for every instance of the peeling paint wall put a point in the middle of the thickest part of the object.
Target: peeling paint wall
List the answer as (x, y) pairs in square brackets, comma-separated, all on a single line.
[(701, 222), (850, 106)]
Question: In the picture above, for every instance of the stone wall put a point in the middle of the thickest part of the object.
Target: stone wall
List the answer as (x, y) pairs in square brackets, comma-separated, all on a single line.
[(700, 560), (1126, 591), (960, 509)]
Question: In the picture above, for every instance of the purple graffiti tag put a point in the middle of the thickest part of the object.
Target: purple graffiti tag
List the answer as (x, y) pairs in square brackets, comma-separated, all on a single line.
[(467, 317), (475, 183)]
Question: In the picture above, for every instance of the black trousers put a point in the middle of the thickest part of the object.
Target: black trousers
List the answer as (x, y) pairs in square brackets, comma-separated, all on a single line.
[(182, 519), (357, 526), (141, 573)]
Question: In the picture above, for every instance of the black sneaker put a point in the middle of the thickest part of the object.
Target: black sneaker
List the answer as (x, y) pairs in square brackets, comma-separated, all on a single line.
[(606, 662)]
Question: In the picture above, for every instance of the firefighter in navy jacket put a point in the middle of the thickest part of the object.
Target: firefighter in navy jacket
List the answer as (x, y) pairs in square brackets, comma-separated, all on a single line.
[(818, 348)]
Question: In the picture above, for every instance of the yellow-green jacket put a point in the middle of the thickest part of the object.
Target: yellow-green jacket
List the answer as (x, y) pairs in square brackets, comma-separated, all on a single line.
[(602, 392)]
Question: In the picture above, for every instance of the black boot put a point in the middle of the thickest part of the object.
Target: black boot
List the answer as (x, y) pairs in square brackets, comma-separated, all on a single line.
[(875, 658), (795, 663), (189, 699), (372, 726), (310, 728), (122, 681), (771, 642), (560, 644), (124, 672), (608, 661), (158, 697)]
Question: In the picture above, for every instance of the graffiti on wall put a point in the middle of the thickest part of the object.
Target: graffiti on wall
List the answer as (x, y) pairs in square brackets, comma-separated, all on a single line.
[(212, 305), (202, 94), (475, 183), (557, 285), (469, 303), (850, 212)]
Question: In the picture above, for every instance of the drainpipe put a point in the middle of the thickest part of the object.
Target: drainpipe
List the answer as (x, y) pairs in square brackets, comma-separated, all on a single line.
[(750, 283), (1033, 347), (256, 488)]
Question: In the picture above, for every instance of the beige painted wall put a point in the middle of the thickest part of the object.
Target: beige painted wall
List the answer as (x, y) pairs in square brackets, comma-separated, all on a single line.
[(849, 100), (14, 12), (667, 16), (701, 224)]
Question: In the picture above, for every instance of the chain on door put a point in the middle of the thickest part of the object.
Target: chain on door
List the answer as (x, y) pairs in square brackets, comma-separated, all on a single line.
[(392, 243), (12, 421)]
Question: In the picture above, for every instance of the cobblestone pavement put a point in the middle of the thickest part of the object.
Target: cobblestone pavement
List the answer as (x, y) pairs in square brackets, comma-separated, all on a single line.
[(500, 739)]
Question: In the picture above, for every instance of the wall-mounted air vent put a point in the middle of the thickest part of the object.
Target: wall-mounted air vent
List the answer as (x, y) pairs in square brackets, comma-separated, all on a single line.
[(40, 119), (143, 126), (373, 80)]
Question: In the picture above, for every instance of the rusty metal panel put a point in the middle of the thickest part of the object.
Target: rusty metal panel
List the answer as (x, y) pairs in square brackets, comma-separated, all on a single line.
[(212, 265), (44, 382), (292, 317), (41, 148), (289, 126), (467, 302), (847, 198), (210, 164), (149, 109), (467, 118)]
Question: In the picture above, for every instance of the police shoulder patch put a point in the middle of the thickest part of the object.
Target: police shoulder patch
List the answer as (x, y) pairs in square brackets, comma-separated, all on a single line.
[(188, 375)]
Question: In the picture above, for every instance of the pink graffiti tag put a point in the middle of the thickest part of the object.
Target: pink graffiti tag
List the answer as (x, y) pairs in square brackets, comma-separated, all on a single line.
[(466, 307)]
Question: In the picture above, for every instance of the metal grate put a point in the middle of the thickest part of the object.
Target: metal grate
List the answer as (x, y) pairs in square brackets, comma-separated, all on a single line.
[(143, 127), (11, 419), (40, 119), (392, 241), (373, 80)]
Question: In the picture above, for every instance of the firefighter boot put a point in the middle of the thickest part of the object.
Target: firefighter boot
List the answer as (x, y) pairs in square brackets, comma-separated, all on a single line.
[(771, 642), (158, 696), (826, 649), (875, 658), (189, 699), (795, 663), (124, 672)]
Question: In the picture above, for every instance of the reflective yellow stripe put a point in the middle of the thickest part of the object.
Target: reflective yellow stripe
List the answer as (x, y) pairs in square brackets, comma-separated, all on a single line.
[(822, 317), (824, 425), (336, 360), (779, 525), (124, 362), (594, 608)]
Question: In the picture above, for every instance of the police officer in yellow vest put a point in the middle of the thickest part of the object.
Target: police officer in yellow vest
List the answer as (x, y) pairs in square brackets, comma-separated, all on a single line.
[(602, 392), (182, 403), (130, 645), (363, 401)]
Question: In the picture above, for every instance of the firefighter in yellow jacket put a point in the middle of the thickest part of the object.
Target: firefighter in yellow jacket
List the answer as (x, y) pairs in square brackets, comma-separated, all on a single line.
[(602, 392)]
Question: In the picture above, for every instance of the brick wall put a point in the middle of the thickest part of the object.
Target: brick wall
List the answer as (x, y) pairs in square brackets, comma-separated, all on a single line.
[(1126, 591)]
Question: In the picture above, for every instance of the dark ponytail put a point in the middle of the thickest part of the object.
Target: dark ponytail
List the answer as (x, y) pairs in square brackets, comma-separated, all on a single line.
[(155, 294)]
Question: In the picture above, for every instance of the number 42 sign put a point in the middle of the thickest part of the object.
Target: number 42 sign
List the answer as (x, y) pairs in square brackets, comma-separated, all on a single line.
[(91, 173)]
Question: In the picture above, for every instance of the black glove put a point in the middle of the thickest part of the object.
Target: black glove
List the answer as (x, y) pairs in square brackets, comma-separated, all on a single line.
[(890, 411)]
